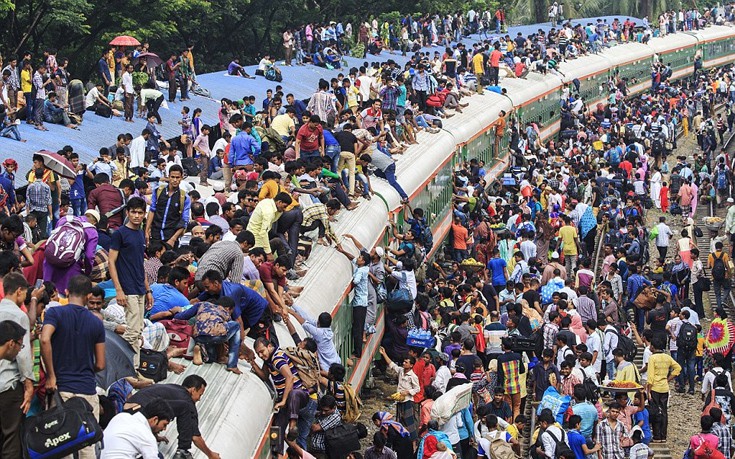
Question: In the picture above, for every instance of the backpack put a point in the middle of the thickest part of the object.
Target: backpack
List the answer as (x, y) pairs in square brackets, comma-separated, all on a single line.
[(342, 440), (426, 237), (562, 449), (592, 391), (721, 179), (65, 246), (614, 158), (626, 345), (501, 449), (719, 271), (687, 338), (182, 196), (307, 366), (657, 146), (272, 75), (353, 404)]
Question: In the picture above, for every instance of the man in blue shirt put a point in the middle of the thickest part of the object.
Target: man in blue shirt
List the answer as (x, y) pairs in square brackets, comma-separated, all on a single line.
[(73, 348), (249, 305), (243, 147), (577, 442), (635, 285), (497, 267), (103, 70), (169, 298)]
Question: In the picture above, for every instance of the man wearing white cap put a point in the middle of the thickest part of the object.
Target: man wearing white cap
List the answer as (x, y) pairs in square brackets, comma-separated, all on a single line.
[(553, 265), (59, 269)]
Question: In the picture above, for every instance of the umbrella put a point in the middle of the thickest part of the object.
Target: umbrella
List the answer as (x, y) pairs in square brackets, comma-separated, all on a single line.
[(58, 164), (124, 40), (151, 59), (118, 358)]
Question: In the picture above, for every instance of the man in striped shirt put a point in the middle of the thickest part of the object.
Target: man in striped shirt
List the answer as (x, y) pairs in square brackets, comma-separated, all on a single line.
[(291, 396), (227, 257)]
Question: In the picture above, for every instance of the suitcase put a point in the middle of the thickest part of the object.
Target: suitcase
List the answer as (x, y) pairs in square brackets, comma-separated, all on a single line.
[(153, 365), (62, 430)]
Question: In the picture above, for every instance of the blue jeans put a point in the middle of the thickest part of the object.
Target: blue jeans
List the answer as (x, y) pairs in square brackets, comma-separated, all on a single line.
[(687, 370), (719, 287), (11, 132), (309, 154), (79, 206), (306, 419), (390, 175), (611, 369), (333, 152), (232, 339), (29, 106)]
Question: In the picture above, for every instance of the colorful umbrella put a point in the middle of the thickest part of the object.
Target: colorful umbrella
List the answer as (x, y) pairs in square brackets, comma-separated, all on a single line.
[(58, 164), (720, 337), (150, 59), (124, 40)]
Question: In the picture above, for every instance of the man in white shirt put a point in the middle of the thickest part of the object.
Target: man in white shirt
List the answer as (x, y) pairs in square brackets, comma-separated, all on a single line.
[(662, 238), (127, 85), (594, 345), (131, 436), (443, 374), (550, 437), (708, 382), (137, 149), (609, 343), (672, 327)]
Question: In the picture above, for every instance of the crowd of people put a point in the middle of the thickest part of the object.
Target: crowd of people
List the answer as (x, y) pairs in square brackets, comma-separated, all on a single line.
[(126, 250)]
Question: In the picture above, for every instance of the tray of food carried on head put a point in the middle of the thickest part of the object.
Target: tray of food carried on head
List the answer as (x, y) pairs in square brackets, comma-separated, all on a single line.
[(621, 386)]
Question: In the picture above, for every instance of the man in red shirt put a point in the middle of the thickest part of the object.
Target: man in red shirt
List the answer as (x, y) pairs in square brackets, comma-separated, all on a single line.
[(310, 139), (495, 58), (273, 276), (107, 200)]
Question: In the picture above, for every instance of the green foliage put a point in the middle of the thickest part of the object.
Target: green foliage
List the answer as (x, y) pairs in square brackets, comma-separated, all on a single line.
[(223, 29), (139, 79)]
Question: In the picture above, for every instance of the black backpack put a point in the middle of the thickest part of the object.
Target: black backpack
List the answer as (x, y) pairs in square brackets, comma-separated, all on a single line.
[(626, 345), (719, 270), (687, 338), (153, 365), (343, 439), (591, 390), (562, 449)]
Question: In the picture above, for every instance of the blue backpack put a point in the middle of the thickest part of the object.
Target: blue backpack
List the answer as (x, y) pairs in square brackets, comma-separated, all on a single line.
[(721, 179), (614, 157)]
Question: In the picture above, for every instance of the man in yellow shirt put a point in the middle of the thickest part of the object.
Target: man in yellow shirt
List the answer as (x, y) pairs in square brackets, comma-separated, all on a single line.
[(720, 273), (570, 243), (265, 214), (661, 370), (284, 124), (478, 68)]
